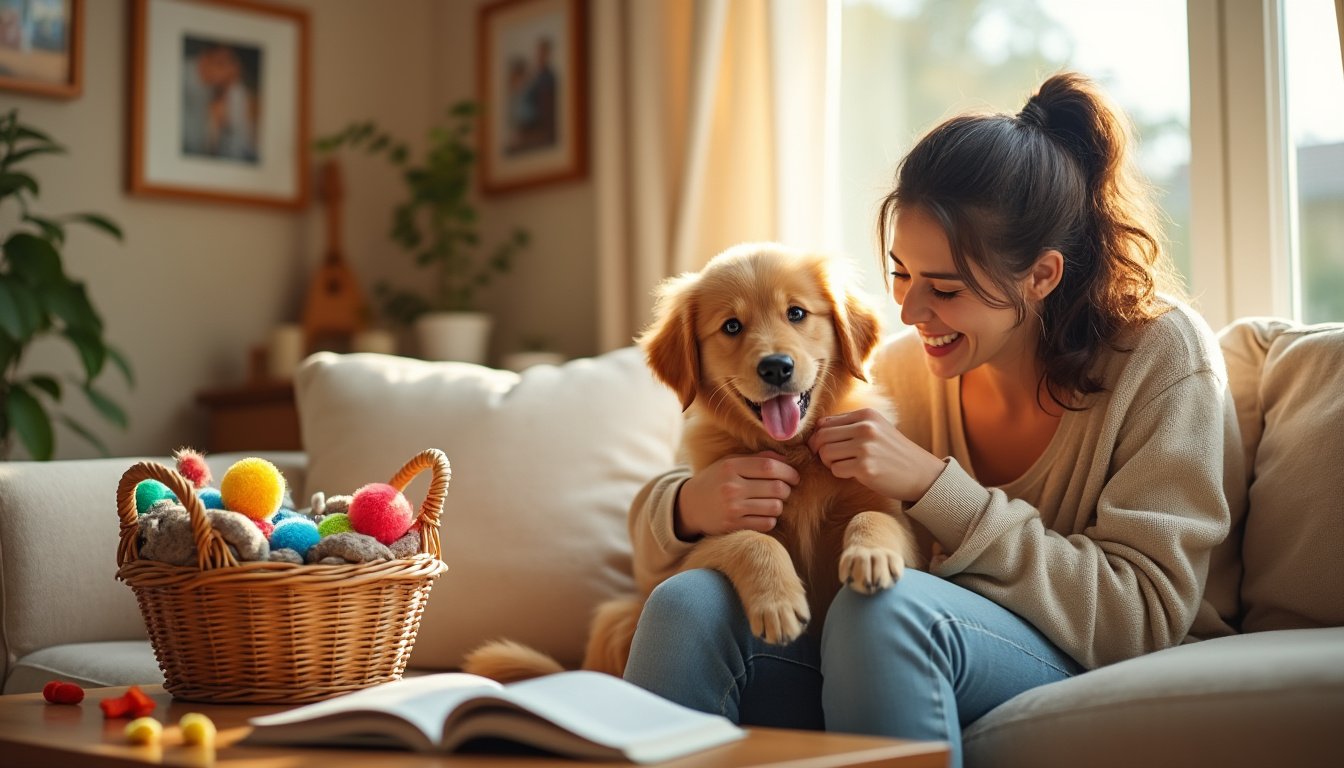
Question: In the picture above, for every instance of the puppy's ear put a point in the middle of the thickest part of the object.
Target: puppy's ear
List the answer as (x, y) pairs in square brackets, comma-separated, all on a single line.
[(669, 344), (857, 329)]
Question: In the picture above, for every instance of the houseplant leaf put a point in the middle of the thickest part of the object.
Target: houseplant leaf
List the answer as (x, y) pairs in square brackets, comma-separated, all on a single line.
[(92, 351), (29, 419), (110, 410), (84, 432), (33, 259)]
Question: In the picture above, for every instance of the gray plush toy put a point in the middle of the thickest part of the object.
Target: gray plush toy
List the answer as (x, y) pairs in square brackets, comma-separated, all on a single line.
[(165, 534), (348, 547)]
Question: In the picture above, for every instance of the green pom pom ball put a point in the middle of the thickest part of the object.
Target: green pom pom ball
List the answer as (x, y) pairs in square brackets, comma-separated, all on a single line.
[(337, 523)]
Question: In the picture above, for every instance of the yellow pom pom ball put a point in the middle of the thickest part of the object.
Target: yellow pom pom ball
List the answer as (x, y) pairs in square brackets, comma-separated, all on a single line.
[(144, 731), (253, 487), (197, 729)]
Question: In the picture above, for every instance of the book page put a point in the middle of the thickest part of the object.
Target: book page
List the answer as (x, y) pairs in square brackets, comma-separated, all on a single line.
[(608, 711), (424, 702)]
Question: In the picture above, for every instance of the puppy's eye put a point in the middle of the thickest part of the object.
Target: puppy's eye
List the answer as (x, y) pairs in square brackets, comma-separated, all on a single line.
[(796, 314), (732, 326)]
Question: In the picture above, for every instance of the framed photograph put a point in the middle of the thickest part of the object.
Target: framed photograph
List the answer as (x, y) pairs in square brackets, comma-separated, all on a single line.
[(42, 47), (532, 86), (219, 101)]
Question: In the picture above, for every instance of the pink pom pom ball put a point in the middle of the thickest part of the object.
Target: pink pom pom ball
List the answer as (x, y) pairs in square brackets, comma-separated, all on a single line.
[(381, 511), (191, 465)]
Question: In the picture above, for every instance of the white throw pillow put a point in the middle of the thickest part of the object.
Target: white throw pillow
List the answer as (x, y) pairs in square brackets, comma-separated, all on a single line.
[(544, 467)]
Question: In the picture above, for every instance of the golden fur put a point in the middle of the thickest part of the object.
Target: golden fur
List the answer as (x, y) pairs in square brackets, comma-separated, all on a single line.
[(832, 531)]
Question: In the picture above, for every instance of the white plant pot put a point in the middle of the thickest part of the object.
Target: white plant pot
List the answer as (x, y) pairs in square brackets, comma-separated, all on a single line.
[(461, 336)]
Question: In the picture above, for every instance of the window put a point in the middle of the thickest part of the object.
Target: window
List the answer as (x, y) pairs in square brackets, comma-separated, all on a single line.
[(905, 65), (1314, 78), (1239, 107)]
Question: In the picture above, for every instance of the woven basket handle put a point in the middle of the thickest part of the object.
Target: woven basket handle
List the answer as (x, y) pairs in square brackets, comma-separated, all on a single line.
[(432, 508), (211, 551)]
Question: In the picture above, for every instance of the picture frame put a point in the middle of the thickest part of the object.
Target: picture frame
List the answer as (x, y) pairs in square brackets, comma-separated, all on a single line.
[(219, 101), (42, 47), (532, 88)]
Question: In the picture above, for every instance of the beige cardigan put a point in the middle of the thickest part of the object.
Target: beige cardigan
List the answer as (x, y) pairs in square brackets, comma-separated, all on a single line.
[(1105, 543)]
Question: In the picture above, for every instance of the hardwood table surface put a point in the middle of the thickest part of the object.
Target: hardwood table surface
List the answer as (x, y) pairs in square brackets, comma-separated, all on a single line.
[(35, 733)]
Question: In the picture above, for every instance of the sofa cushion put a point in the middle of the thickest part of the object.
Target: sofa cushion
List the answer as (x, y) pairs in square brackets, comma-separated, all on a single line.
[(1270, 698), (91, 665), (1288, 383), (544, 466)]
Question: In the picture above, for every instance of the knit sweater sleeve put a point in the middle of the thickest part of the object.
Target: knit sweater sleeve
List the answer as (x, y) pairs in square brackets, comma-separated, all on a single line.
[(658, 553), (1129, 576)]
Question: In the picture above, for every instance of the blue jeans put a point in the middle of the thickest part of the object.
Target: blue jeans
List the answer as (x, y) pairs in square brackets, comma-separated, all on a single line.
[(921, 660)]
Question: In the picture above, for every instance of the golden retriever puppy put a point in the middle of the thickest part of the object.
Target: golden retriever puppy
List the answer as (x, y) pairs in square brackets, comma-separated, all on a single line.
[(760, 345)]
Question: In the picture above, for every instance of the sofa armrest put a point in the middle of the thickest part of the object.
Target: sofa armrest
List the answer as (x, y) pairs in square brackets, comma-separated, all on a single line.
[(58, 551)]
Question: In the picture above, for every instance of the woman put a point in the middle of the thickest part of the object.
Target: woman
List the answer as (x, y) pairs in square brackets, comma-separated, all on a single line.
[(1064, 428)]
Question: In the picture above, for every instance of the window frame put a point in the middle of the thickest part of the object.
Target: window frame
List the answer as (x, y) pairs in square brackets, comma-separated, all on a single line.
[(1240, 164)]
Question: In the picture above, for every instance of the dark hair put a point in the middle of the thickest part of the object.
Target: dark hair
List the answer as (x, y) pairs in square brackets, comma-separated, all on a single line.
[(1058, 175)]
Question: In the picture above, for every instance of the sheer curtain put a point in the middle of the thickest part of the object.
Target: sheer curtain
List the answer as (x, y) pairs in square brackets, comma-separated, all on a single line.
[(710, 127)]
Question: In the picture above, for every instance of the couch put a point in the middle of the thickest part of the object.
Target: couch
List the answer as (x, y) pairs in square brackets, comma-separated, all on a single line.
[(545, 463)]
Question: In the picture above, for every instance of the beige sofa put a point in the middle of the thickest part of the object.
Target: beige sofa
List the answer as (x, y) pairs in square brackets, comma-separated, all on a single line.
[(544, 465)]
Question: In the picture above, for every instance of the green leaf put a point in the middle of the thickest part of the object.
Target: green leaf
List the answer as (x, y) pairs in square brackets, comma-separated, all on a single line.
[(123, 365), (92, 350), (13, 181), (29, 419), (37, 149), (99, 221), (51, 229), (33, 259), (27, 318), (24, 132), (70, 302), (47, 384), (83, 431), (110, 410), (10, 321)]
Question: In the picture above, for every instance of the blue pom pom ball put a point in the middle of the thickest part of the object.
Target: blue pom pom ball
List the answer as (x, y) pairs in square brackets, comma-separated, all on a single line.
[(210, 498), (284, 514), (149, 491), (295, 533)]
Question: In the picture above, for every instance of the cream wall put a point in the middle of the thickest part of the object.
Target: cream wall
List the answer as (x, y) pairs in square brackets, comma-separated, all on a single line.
[(195, 285)]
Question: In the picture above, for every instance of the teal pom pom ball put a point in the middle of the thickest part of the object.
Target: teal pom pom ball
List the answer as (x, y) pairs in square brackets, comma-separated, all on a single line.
[(149, 491), (295, 533), (210, 498)]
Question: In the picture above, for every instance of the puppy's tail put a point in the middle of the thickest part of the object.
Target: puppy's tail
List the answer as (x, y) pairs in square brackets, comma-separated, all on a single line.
[(609, 637), (507, 662)]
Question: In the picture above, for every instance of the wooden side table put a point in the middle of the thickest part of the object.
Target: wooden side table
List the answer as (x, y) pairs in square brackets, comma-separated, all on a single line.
[(257, 416)]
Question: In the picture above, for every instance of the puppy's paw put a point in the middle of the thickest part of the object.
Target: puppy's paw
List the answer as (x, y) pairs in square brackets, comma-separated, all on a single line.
[(778, 615), (867, 570)]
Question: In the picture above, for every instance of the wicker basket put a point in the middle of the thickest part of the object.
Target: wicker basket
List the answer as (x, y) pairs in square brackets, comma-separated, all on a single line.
[(277, 632)]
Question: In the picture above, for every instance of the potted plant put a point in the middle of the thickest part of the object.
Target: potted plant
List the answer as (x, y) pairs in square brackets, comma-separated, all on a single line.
[(37, 300), (438, 225)]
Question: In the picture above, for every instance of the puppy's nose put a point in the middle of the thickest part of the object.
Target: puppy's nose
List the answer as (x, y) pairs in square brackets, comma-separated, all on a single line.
[(775, 369)]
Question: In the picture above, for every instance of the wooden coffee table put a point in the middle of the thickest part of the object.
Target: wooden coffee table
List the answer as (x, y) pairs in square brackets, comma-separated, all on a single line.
[(35, 733)]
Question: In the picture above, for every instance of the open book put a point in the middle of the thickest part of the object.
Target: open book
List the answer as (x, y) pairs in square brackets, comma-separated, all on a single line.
[(585, 715)]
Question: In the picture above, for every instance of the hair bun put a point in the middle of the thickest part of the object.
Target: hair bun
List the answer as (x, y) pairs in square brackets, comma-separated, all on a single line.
[(1033, 113)]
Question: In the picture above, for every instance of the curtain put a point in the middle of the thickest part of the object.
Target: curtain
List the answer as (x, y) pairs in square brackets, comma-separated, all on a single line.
[(709, 123)]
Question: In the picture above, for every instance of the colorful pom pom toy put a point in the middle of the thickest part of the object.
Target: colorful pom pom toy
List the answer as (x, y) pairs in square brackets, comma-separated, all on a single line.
[(254, 487), (191, 465), (381, 511), (334, 524), (210, 498), (147, 492), (296, 533)]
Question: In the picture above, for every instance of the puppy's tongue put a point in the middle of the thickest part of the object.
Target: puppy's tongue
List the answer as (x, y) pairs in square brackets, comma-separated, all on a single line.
[(780, 416)]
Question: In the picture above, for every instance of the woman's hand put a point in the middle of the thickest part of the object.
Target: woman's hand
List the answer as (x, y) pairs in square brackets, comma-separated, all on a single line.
[(864, 446), (740, 492)]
